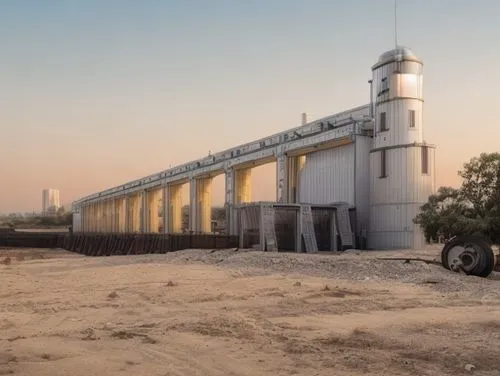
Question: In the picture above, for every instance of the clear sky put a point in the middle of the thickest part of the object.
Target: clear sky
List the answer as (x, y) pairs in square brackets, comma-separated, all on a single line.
[(96, 93)]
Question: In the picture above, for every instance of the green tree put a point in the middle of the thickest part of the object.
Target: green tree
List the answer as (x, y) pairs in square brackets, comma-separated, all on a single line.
[(474, 208)]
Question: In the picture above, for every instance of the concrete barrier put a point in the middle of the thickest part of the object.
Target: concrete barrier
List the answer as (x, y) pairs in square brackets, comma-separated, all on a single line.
[(117, 244)]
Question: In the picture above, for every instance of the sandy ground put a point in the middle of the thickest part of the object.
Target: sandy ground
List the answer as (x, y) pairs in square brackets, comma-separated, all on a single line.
[(243, 313)]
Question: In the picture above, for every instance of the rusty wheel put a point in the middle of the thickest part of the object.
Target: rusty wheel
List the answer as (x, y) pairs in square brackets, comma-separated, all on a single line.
[(470, 254)]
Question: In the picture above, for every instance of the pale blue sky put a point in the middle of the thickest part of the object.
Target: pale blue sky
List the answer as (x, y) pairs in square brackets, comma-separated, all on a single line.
[(96, 93)]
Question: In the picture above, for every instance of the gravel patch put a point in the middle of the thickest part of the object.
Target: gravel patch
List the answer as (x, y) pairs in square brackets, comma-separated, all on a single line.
[(355, 266)]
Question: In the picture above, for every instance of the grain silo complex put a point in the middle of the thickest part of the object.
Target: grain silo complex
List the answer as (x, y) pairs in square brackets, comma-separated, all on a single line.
[(367, 170)]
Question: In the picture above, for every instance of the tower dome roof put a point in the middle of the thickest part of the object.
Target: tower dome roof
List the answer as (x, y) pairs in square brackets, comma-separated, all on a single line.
[(399, 53)]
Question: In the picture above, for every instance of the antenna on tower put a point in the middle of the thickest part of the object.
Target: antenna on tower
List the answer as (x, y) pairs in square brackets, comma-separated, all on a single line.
[(396, 23)]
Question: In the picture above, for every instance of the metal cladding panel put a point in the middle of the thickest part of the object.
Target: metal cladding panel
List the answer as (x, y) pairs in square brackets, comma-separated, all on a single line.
[(362, 196), (397, 115), (328, 176), (395, 200), (405, 182), (388, 78), (393, 227), (77, 221), (398, 88)]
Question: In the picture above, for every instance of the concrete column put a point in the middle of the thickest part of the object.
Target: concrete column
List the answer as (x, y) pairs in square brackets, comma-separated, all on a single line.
[(242, 186), (287, 178), (231, 227), (125, 216), (114, 224), (82, 215), (109, 216), (164, 192), (99, 217), (281, 170), (105, 216), (83, 218), (94, 217), (294, 168), (134, 213), (174, 212), (116, 214), (238, 191), (90, 219), (153, 201), (143, 211), (120, 206), (200, 205)]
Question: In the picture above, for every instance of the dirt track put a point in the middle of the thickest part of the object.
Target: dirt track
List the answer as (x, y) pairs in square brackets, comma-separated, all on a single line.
[(243, 313)]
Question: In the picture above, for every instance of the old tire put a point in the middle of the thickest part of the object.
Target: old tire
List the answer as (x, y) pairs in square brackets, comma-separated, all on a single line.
[(476, 254)]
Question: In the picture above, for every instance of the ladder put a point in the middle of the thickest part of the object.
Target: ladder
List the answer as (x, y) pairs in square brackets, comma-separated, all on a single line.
[(344, 225), (268, 228), (307, 225)]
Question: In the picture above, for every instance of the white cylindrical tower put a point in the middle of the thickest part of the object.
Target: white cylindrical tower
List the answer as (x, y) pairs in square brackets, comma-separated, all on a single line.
[(401, 162)]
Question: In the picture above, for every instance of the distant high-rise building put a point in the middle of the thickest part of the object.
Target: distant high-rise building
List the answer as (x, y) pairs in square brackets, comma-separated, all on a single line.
[(50, 201)]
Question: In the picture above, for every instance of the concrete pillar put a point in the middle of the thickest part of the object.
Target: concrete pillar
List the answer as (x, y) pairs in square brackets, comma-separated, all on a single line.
[(114, 223), (120, 210), (143, 211), (105, 216), (109, 216), (134, 213), (83, 218), (242, 186), (287, 178), (153, 200), (125, 217), (200, 205), (165, 207), (281, 191), (98, 227), (238, 191), (90, 218), (294, 168), (94, 217), (174, 212)]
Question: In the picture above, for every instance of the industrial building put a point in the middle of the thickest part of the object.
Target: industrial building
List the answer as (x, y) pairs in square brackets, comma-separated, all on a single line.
[(372, 159), (50, 201)]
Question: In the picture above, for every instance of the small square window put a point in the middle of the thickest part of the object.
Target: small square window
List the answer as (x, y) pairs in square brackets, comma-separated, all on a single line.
[(383, 122), (411, 120), (383, 163)]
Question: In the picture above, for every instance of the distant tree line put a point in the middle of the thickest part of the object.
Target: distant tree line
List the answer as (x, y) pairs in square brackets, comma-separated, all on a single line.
[(62, 219)]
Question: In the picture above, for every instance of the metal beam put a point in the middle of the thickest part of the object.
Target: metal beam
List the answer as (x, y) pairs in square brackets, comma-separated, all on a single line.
[(323, 133)]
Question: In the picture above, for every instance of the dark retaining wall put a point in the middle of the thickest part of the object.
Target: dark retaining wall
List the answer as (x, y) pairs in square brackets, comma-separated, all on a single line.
[(117, 244)]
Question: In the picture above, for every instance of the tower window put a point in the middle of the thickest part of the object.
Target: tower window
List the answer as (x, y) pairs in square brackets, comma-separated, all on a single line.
[(411, 115), (383, 163), (425, 160), (383, 122)]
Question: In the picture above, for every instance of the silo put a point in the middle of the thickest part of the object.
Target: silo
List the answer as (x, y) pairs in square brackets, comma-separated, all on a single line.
[(402, 174)]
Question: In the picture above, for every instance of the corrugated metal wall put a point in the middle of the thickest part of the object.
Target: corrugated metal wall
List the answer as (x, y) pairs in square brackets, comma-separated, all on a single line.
[(398, 123), (77, 221), (328, 176), (396, 199), (362, 194)]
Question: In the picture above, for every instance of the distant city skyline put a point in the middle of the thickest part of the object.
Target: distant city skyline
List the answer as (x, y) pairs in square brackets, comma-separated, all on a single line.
[(107, 92), (50, 201)]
